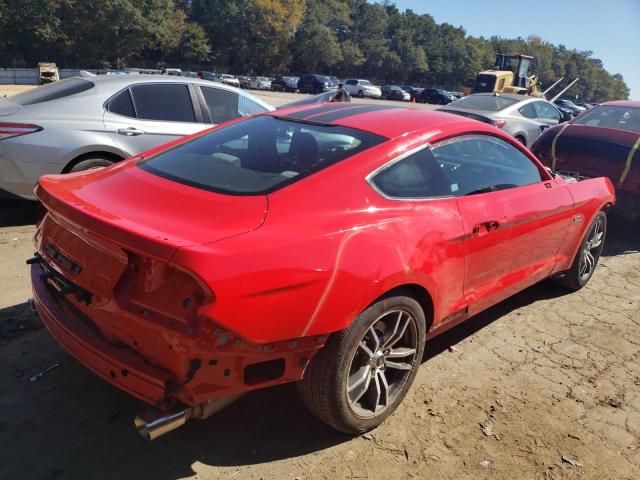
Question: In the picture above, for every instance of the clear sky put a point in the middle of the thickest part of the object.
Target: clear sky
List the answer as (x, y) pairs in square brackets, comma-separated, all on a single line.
[(609, 28)]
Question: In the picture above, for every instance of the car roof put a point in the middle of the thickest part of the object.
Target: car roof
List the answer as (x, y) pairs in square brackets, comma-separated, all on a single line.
[(623, 103), (110, 84), (120, 81), (387, 121), (514, 96)]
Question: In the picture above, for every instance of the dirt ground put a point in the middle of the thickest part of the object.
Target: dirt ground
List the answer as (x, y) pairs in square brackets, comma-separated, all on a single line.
[(544, 386), (543, 377)]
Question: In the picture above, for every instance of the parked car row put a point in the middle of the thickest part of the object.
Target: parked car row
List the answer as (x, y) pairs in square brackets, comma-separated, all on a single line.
[(131, 122), (315, 83)]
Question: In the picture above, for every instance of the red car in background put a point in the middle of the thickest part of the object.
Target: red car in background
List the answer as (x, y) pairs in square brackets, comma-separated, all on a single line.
[(321, 244), (602, 142)]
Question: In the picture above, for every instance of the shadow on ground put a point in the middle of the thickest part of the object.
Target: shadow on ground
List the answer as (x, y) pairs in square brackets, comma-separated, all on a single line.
[(623, 236), (15, 211), (85, 425)]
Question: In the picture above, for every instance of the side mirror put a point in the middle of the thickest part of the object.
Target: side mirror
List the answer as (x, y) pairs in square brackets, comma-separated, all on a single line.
[(566, 116)]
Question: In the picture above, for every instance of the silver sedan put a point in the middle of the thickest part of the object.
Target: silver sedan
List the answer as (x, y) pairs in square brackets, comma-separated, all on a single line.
[(82, 123), (523, 117)]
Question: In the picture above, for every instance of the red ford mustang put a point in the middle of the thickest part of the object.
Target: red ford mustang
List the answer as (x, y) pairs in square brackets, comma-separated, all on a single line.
[(320, 244)]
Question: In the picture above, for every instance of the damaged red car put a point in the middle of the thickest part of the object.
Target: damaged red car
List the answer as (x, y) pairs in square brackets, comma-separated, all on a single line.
[(320, 245)]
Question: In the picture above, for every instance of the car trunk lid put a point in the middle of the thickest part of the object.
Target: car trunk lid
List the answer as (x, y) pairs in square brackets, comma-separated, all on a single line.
[(134, 210)]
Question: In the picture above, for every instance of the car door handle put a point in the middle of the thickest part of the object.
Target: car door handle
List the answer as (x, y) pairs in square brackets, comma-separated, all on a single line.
[(544, 127), (484, 228), (130, 131)]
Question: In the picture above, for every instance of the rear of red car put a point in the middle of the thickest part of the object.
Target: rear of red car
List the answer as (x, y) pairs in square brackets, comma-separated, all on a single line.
[(131, 260), (105, 285)]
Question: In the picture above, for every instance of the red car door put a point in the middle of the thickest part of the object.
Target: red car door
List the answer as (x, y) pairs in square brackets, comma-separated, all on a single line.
[(514, 216)]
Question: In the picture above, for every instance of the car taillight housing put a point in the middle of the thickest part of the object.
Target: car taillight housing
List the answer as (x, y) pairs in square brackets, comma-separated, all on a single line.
[(161, 293), (8, 130), (499, 123)]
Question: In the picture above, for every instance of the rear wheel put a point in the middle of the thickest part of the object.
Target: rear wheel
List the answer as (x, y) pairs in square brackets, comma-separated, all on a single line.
[(360, 94), (586, 260), (91, 163), (522, 140), (363, 373)]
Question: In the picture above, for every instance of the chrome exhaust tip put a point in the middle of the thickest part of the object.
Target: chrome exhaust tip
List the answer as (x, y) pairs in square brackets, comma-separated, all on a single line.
[(152, 425)]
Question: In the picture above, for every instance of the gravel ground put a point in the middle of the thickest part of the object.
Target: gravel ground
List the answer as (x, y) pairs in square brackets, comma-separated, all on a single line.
[(544, 386)]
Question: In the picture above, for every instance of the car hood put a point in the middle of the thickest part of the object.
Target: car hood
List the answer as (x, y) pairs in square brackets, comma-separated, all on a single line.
[(143, 212), (7, 107)]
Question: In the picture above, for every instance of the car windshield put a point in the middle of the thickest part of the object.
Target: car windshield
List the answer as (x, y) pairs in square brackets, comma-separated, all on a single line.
[(258, 155), (52, 91), (491, 103), (608, 116)]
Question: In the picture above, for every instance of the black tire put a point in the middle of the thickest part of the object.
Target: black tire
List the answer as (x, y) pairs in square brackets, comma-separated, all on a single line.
[(89, 163), (360, 94), (521, 139), (576, 277), (323, 389)]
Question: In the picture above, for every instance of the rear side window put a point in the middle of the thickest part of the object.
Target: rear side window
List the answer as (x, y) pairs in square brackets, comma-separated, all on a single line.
[(224, 105), (528, 111), (258, 155), (417, 176), (480, 164), (166, 102), (546, 111), (52, 91), (121, 104), (467, 165)]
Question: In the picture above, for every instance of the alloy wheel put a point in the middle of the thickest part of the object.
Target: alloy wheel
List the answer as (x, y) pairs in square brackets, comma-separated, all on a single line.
[(382, 363), (591, 250)]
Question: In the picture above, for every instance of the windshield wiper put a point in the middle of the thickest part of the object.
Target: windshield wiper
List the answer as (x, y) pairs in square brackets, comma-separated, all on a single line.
[(492, 188)]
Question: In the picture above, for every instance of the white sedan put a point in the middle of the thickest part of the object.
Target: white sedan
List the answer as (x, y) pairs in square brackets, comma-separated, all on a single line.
[(362, 88)]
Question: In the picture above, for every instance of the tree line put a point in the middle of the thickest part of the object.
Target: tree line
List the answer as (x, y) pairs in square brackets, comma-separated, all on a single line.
[(345, 38)]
